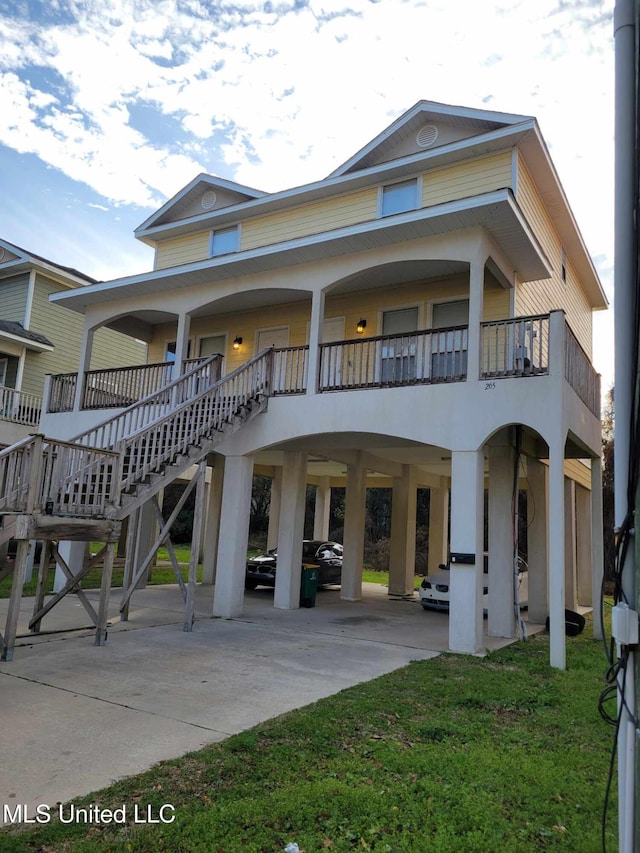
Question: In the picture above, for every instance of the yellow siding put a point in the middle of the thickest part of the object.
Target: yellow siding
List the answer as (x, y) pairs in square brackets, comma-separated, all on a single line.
[(64, 329), (454, 182), (310, 219), (467, 179), (183, 250), (539, 297)]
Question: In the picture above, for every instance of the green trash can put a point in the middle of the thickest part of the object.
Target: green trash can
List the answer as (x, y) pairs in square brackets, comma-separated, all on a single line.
[(309, 584)]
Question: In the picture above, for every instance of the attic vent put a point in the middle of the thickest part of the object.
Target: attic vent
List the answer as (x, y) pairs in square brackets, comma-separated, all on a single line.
[(1, 254), (427, 135), (208, 200)]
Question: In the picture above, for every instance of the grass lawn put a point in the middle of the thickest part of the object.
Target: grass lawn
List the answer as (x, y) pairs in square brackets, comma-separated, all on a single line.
[(452, 755)]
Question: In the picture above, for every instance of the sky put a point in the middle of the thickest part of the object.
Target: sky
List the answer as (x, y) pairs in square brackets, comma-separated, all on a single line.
[(109, 107)]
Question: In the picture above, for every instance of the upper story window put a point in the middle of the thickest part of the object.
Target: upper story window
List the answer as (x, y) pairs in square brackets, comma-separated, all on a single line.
[(396, 198), (225, 241), (563, 265)]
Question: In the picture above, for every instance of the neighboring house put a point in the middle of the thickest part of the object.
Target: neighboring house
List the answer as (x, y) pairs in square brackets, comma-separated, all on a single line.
[(426, 312), (39, 338)]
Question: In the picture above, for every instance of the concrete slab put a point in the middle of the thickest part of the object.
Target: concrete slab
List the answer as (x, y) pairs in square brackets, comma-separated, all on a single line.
[(76, 716)]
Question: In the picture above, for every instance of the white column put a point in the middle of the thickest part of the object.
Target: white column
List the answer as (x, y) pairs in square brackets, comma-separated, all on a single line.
[(467, 529), (556, 538), (182, 342), (84, 363), (212, 526), (476, 302), (438, 528), (597, 545), (73, 555), (274, 509), (291, 531), (570, 586), (354, 518), (322, 512), (501, 620), (583, 547), (232, 547), (315, 339), (402, 558), (537, 557)]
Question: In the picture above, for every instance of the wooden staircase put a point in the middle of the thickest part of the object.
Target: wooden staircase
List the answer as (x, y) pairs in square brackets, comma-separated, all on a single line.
[(82, 489)]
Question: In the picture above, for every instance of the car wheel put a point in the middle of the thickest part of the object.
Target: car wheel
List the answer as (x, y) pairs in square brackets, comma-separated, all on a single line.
[(250, 584)]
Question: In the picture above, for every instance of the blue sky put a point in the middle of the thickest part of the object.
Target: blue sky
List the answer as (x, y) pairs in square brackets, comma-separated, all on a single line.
[(110, 106)]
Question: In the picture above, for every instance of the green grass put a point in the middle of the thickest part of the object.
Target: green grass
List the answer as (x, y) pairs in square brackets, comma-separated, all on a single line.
[(452, 755), (160, 574)]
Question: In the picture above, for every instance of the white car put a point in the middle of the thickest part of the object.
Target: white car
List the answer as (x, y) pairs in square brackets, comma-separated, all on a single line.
[(433, 592)]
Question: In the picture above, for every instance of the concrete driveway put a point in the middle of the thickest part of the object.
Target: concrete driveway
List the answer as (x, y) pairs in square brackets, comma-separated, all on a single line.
[(76, 716)]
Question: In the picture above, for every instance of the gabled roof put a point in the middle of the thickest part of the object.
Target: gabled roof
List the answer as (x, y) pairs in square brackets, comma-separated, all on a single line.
[(204, 194), (427, 124), (14, 259)]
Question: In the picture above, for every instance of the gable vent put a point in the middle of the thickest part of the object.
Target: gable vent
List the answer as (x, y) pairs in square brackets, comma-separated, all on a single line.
[(208, 200), (1, 254), (427, 135)]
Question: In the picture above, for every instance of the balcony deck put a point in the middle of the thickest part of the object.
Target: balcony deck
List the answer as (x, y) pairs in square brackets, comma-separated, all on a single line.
[(514, 348)]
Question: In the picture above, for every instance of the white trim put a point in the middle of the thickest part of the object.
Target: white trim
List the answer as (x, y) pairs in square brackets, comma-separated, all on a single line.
[(31, 287), (514, 171), (20, 370)]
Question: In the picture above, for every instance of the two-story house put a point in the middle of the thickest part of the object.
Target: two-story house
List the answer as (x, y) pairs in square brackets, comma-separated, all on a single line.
[(422, 317)]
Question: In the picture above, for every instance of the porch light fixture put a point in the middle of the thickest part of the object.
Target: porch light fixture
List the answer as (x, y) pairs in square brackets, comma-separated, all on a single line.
[(362, 325), (237, 342)]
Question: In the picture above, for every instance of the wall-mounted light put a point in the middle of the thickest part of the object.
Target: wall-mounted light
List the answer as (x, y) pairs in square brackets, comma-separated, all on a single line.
[(237, 342), (362, 325)]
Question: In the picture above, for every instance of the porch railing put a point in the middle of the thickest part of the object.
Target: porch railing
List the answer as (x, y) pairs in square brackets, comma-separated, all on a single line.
[(515, 347), (19, 407), (108, 433), (437, 355), (290, 366), (117, 387), (58, 477), (580, 373)]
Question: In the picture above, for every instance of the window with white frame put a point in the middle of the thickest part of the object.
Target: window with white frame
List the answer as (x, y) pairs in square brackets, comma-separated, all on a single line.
[(225, 241), (400, 197)]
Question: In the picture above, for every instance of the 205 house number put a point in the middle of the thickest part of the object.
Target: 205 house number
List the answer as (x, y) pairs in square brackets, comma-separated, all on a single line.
[(489, 386)]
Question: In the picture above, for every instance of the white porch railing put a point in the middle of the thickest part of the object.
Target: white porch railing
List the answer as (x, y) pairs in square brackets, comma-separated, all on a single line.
[(437, 355), (290, 366), (19, 407), (515, 347), (580, 373), (118, 387), (56, 477)]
